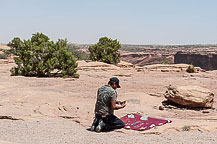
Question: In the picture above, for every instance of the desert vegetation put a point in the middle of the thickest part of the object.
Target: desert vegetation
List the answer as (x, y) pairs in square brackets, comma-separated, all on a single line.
[(77, 52), (41, 57), (39, 99), (106, 50), (191, 69), (5, 53), (3, 56)]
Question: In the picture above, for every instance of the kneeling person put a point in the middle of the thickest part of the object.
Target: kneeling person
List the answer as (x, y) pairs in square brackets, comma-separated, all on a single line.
[(105, 105)]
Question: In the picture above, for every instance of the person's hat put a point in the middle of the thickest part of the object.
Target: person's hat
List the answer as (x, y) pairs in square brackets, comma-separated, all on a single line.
[(116, 80)]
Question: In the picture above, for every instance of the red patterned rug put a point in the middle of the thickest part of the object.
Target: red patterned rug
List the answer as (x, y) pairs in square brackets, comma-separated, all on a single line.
[(138, 122)]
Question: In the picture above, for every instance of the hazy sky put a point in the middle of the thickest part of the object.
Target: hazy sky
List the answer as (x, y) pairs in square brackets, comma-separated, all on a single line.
[(129, 21)]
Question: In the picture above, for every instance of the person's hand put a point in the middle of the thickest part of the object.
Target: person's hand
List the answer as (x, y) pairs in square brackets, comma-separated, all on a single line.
[(124, 104), (118, 102)]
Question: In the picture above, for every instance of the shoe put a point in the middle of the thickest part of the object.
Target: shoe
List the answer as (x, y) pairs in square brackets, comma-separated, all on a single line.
[(93, 127), (101, 126)]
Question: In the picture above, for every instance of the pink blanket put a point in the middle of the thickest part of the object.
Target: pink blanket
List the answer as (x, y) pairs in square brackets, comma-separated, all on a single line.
[(138, 122)]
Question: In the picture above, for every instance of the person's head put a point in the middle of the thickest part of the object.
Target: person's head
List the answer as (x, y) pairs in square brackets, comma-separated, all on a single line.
[(114, 83)]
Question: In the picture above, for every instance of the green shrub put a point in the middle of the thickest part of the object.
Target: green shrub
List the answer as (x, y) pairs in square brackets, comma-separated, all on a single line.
[(78, 54), (39, 56), (3, 56), (191, 69), (186, 128), (106, 50), (9, 52), (166, 61)]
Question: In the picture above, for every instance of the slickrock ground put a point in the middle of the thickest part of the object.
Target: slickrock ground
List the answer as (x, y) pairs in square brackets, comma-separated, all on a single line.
[(56, 110)]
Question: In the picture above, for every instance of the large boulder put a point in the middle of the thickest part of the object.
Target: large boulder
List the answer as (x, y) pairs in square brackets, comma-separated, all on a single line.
[(190, 96)]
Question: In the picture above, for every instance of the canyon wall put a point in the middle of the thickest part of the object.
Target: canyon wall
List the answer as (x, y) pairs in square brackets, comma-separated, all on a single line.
[(207, 61)]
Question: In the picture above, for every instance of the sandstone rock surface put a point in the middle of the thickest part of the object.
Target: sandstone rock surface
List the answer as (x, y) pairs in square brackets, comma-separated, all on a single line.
[(95, 65), (190, 96), (124, 64)]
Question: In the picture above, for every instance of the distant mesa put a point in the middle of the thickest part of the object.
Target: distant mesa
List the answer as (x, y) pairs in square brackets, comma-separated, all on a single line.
[(207, 60)]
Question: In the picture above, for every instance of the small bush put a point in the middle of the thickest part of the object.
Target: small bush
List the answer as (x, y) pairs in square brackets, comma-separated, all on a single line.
[(186, 128), (166, 61), (191, 69), (6, 53), (106, 50), (78, 54), (3, 56), (39, 56), (9, 52)]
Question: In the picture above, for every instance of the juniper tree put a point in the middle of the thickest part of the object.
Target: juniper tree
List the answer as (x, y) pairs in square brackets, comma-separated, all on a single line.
[(106, 50), (39, 56)]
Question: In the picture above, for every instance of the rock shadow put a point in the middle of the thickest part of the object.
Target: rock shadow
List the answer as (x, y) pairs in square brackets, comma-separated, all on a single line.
[(172, 105)]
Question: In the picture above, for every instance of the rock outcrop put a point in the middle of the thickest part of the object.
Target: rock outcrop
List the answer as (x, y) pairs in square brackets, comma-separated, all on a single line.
[(167, 67), (207, 61), (142, 59), (190, 96), (4, 47), (94, 65), (123, 64)]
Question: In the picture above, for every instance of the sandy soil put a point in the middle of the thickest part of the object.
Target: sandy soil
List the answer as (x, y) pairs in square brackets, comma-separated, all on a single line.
[(56, 110), (58, 131)]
